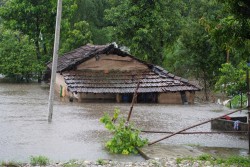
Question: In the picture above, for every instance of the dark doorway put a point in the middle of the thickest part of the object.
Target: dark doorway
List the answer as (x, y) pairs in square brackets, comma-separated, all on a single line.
[(147, 98)]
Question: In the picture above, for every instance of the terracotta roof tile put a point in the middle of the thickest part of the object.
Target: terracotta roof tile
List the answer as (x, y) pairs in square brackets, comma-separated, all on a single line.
[(98, 82), (155, 79)]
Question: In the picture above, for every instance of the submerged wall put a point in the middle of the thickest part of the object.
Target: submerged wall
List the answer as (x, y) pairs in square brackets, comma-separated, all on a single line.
[(176, 97), (162, 98), (61, 86), (227, 125), (96, 96)]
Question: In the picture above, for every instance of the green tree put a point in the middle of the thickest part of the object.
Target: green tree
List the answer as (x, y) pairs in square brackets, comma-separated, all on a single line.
[(92, 12), (195, 55), (232, 79), (233, 30), (17, 56), (33, 18), (147, 27), (37, 20), (232, 33), (78, 36)]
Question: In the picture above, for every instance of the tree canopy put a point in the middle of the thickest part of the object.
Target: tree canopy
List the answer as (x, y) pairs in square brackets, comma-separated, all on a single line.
[(17, 56), (193, 39), (146, 27)]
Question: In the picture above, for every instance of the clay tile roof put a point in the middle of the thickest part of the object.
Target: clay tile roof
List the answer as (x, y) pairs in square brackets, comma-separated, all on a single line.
[(123, 82), (155, 79), (71, 59)]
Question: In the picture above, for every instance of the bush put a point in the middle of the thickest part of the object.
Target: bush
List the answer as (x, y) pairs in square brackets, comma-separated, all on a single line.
[(236, 101), (39, 160), (217, 161), (126, 138), (10, 164)]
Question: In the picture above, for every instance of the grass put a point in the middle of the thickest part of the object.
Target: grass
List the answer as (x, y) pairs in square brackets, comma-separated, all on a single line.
[(10, 164), (233, 160), (39, 160), (193, 145), (73, 163), (101, 162)]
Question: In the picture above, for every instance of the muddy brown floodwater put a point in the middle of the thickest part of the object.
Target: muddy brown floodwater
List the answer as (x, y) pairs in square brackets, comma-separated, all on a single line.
[(76, 133)]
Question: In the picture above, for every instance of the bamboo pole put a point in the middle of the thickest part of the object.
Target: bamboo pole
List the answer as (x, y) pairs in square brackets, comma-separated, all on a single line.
[(193, 127), (133, 101), (187, 133), (55, 57)]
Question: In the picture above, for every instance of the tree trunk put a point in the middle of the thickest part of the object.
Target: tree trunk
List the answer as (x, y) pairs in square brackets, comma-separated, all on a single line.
[(206, 91), (228, 55)]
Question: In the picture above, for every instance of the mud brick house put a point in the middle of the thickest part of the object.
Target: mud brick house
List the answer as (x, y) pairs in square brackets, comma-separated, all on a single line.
[(105, 72)]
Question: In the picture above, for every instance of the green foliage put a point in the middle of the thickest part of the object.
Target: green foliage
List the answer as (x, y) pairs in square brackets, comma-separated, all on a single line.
[(146, 27), (238, 160), (39, 160), (92, 12), (240, 8), (205, 157), (126, 138), (10, 164), (36, 21), (194, 55), (230, 161), (72, 163), (32, 18), (232, 79), (17, 56), (101, 162), (232, 31), (236, 101), (78, 36)]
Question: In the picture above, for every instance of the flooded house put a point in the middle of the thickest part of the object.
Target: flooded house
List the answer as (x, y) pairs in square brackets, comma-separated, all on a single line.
[(105, 72)]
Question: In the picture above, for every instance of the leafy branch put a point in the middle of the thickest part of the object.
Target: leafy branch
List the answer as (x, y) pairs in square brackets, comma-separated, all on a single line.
[(126, 138)]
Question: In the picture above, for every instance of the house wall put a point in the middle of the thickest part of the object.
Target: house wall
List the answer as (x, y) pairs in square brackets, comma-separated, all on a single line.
[(98, 96), (163, 98), (61, 82), (190, 96), (112, 62), (169, 98), (227, 125), (175, 98)]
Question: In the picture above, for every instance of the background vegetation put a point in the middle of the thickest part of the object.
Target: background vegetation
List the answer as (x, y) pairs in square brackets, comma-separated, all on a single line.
[(190, 38)]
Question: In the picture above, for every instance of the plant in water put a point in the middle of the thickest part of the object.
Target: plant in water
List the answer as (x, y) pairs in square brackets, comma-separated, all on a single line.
[(126, 138), (39, 160)]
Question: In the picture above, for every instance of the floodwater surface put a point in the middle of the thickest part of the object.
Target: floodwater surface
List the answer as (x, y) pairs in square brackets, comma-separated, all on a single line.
[(76, 133)]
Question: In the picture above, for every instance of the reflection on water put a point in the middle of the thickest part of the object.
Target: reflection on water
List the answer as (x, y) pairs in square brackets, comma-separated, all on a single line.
[(77, 133)]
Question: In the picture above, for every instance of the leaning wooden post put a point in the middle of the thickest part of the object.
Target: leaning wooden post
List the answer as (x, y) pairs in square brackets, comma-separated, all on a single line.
[(55, 57), (193, 127), (133, 101)]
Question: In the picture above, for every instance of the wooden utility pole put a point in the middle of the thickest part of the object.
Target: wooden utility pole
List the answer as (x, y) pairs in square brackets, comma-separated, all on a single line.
[(55, 57)]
